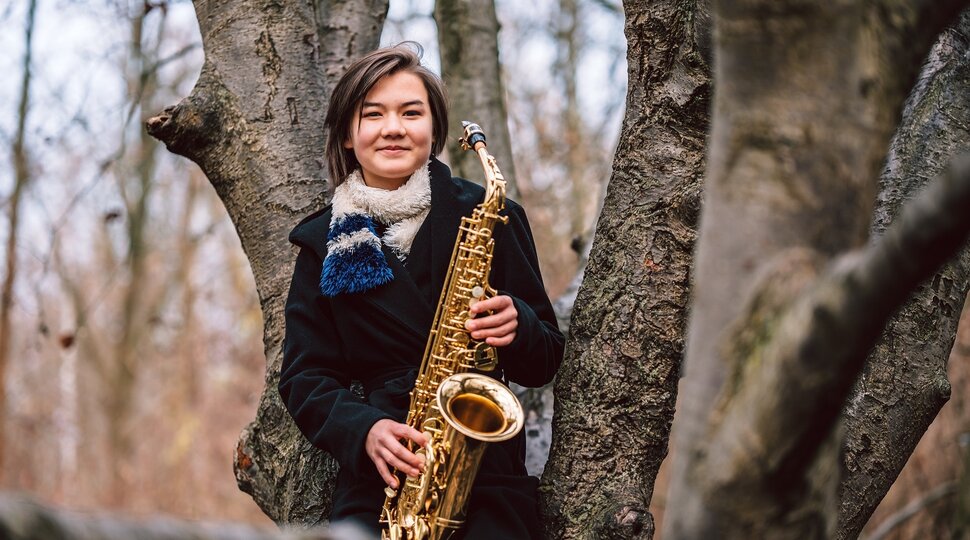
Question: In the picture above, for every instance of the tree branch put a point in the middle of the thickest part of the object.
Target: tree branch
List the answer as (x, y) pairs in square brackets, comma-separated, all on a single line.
[(822, 342), (196, 123), (904, 384), (799, 134)]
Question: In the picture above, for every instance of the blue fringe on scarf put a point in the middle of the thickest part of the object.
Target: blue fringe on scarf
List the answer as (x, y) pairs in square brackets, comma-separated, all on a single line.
[(360, 268)]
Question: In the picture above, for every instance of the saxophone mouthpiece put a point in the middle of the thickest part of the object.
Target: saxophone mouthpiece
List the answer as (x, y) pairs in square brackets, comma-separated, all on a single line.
[(472, 135)]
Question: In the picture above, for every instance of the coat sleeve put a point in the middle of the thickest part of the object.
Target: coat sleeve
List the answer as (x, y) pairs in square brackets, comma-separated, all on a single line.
[(314, 377), (536, 352)]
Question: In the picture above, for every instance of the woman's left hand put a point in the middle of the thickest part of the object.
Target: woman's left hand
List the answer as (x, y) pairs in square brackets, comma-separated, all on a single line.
[(498, 328)]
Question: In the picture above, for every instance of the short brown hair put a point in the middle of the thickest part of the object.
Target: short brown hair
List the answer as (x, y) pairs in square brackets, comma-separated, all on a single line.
[(353, 87)]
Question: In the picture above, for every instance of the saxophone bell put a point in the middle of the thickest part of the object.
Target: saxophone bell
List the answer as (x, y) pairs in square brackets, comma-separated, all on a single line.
[(478, 410), (480, 407)]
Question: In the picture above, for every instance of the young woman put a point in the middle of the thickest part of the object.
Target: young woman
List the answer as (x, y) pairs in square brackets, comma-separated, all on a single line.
[(365, 287)]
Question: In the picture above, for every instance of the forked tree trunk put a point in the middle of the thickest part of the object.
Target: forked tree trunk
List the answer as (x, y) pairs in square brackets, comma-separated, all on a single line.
[(904, 383), (254, 124), (807, 97)]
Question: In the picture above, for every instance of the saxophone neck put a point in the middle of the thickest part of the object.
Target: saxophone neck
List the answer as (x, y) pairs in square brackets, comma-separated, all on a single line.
[(494, 181), (473, 138)]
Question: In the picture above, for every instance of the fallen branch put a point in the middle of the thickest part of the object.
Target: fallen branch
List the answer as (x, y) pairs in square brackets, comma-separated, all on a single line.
[(24, 519)]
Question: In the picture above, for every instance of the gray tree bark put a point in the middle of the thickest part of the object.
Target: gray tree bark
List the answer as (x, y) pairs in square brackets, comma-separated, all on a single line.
[(904, 383), (468, 40), (783, 314), (616, 389), (254, 124)]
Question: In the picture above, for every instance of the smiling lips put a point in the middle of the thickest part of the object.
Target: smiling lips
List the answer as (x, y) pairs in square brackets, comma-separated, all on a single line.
[(393, 149)]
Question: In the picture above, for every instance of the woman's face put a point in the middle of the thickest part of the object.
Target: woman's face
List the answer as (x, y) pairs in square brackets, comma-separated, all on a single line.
[(392, 135)]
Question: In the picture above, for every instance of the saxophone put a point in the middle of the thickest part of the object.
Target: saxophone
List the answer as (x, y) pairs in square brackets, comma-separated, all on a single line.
[(459, 409)]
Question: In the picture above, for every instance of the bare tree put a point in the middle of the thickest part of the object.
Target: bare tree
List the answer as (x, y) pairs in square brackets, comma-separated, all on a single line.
[(140, 295), (794, 156), (21, 180), (565, 122)]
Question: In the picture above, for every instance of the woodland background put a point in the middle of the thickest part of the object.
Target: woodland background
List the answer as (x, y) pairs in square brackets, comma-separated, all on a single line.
[(131, 353)]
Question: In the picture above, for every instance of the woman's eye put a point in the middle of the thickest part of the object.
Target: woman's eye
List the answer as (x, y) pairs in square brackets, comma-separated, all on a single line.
[(371, 114), (412, 113)]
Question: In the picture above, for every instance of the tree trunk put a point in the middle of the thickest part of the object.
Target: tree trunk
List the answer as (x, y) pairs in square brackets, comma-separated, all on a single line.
[(254, 124), (569, 40), (616, 389), (807, 98), (468, 39), (139, 297), (21, 179), (346, 30), (904, 383)]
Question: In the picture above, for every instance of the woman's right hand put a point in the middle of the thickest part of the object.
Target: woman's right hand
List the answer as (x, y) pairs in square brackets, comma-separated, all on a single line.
[(385, 448)]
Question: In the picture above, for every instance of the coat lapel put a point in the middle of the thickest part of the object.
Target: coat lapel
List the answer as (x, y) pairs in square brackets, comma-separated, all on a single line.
[(447, 209), (401, 298)]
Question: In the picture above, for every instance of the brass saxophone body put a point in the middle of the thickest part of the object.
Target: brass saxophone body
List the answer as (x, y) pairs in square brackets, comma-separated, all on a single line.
[(459, 409)]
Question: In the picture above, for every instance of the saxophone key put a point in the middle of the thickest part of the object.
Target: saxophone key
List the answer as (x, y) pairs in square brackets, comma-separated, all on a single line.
[(485, 358)]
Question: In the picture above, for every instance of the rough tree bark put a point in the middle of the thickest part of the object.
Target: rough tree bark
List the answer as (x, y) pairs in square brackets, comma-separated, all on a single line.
[(468, 41), (904, 383), (616, 390), (254, 124), (808, 94)]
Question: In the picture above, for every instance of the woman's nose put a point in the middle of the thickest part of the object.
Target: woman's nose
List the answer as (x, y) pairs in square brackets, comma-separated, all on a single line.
[(393, 127)]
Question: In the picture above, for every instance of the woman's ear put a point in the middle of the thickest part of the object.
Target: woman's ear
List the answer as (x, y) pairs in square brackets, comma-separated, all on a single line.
[(348, 144)]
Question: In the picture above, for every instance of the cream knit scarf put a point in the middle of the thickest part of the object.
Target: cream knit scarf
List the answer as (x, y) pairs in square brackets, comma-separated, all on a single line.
[(354, 261)]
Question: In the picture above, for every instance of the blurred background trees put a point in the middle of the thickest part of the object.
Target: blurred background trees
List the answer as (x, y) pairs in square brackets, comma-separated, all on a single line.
[(134, 350), (131, 350)]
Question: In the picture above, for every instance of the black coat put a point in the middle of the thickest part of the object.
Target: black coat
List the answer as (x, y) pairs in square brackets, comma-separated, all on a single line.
[(378, 337)]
